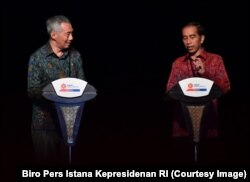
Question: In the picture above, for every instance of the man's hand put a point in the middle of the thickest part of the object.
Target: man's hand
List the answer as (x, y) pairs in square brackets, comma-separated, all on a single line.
[(199, 66)]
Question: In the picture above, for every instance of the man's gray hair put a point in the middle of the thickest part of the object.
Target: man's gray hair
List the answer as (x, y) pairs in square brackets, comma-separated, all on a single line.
[(53, 23)]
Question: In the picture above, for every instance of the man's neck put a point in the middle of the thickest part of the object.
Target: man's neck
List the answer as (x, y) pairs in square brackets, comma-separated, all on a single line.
[(56, 50)]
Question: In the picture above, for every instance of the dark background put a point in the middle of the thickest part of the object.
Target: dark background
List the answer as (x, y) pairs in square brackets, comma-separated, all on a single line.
[(128, 48)]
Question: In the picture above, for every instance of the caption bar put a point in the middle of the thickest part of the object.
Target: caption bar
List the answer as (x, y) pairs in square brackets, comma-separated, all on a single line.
[(173, 174)]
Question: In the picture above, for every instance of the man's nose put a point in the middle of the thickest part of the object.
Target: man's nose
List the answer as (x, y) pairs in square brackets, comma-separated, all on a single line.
[(188, 40), (71, 37)]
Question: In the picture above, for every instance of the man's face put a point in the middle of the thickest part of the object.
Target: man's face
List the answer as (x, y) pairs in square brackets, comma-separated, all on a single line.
[(191, 39), (64, 37)]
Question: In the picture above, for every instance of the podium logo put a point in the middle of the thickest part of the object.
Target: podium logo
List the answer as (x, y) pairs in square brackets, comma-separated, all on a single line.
[(196, 87), (69, 88)]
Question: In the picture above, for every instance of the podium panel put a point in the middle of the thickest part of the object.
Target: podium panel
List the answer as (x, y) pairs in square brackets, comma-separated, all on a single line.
[(195, 108), (69, 118), (195, 96)]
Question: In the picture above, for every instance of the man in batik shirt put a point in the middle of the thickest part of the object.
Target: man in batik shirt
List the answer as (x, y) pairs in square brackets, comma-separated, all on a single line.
[(197, 63), (56, 59)]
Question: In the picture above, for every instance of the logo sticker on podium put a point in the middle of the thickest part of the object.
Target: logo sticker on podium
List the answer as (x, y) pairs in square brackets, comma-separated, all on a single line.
[(196, 86), (69, 87)]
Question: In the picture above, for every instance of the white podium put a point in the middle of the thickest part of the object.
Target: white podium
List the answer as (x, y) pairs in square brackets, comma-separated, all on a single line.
[(195, 95), (69, 96)]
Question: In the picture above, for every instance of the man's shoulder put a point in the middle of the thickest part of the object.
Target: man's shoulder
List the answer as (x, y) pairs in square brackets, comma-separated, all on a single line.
[(40, 51), (212, 55), (74, 54), (180, 59), (74, 51)]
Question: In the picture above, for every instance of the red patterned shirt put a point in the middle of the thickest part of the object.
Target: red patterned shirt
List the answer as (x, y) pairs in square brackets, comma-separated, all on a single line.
[(215, 70)]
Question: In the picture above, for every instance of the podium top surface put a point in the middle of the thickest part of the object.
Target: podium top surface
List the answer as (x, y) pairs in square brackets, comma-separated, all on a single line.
[(177, 93), (89, 93)]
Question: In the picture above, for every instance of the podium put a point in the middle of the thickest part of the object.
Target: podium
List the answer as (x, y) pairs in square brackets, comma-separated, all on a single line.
[(69, 96), (195, 95)]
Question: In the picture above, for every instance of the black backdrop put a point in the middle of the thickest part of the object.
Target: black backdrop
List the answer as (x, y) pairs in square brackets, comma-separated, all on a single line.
[(128, 48)]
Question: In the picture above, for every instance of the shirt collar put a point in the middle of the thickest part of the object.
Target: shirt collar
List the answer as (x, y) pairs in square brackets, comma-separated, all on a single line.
[(47, 50)]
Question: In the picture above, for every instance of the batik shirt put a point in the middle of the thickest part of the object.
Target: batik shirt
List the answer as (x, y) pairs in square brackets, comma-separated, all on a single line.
[(215, 70), (44, 67)]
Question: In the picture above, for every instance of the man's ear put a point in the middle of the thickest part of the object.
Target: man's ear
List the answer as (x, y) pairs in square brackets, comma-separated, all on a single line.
[(202, 38), (53, 34)]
